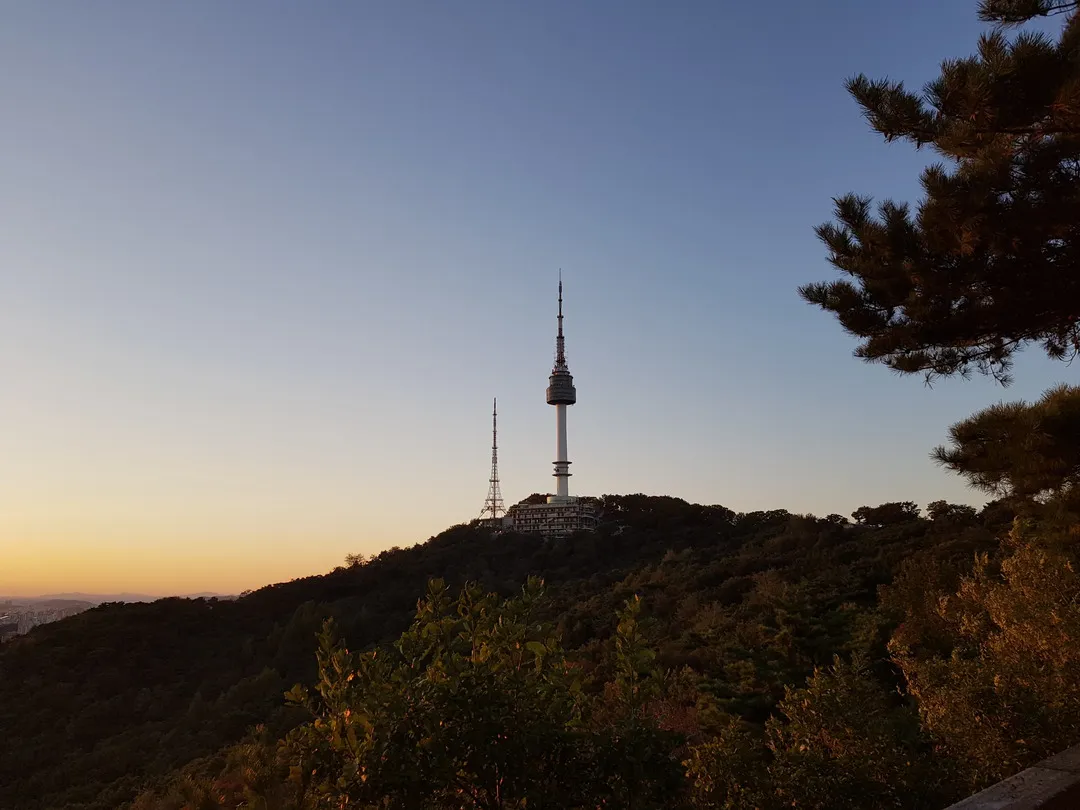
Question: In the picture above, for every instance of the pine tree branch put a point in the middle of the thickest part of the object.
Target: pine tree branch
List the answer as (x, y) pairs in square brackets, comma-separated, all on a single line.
[(924, 136), (988, 262), (1063, 8), (1018, 12)]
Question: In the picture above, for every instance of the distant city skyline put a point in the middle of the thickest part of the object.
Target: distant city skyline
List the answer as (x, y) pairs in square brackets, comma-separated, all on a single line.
[(266, 266), (99, 598)]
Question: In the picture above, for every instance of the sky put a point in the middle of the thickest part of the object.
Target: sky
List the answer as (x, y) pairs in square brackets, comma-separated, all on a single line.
[(264, 265)]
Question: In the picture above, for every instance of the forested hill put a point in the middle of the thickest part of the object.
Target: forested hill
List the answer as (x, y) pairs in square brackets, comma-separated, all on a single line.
[(97, 707)]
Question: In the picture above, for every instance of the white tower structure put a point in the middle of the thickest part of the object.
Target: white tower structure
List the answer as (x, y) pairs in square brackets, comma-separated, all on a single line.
[(562, 515), (560, 393)]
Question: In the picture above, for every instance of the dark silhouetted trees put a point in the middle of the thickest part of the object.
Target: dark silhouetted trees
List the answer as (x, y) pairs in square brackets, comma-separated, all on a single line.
[(735, 607), (1019, 449), (955, 513), (887, 514), (988, 263), (990, 259)]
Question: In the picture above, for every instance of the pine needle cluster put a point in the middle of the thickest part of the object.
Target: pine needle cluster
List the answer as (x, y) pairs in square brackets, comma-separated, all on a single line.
[(989, 260)]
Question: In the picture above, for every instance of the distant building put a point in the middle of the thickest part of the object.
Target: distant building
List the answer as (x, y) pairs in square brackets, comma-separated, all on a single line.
[(552, 519), (19, 618)]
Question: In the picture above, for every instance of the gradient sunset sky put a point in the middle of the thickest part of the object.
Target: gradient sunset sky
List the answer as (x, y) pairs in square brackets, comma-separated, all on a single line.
[(265, 265)]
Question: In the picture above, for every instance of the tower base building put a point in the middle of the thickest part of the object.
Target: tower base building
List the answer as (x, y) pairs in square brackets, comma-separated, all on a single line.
[(556, 518)]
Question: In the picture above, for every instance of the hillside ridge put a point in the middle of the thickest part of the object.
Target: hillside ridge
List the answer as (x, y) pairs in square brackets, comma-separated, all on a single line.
[(100, 706)]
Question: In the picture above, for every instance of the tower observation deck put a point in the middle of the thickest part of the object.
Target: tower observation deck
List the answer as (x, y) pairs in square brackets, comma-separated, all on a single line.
[(560, 393)]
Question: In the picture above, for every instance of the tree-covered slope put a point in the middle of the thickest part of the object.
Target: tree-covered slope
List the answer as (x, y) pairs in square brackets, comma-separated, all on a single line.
[(98, 706)]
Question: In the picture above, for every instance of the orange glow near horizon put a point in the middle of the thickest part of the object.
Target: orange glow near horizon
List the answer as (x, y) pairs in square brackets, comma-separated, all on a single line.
[(151, 561), (60, 568)]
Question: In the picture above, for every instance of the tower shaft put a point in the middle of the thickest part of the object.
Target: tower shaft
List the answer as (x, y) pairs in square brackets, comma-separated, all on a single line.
[(562, 466)]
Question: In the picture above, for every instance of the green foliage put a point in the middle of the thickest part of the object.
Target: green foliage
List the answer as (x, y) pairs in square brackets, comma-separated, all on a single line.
[(840, 742), (634, 658), (477, 706), (1006, 691), (252, 775), (988, 264), (735, 608), (844, 742), (1019, 449), (989, 261), (730, 771)]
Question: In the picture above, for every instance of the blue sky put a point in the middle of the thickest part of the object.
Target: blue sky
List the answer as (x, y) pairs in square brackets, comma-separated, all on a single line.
[(266, 264)]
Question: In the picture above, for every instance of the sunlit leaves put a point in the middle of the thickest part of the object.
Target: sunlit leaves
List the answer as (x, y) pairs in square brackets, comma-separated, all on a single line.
[(477, 706)]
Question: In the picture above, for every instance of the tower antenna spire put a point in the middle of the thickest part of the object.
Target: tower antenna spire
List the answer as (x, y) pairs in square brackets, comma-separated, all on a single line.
[(560, 342), (493, 510)]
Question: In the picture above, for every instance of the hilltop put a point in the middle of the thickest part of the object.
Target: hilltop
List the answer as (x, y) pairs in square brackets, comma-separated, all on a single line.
[(104, 704)]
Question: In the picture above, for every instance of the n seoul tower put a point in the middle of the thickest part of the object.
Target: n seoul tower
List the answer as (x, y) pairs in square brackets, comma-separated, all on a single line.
[(560, 393)]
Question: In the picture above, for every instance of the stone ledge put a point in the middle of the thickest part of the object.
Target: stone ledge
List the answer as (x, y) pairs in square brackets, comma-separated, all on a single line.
[(1053, 784)]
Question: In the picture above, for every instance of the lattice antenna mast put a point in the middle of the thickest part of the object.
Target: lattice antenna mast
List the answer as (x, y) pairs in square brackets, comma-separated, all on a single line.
[(493, 506)]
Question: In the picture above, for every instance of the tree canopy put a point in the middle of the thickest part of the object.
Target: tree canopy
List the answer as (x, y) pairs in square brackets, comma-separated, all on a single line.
[(989, 260), (1004, 692), (1019, 449), (887, 514), (734, 608), (476, 706)]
